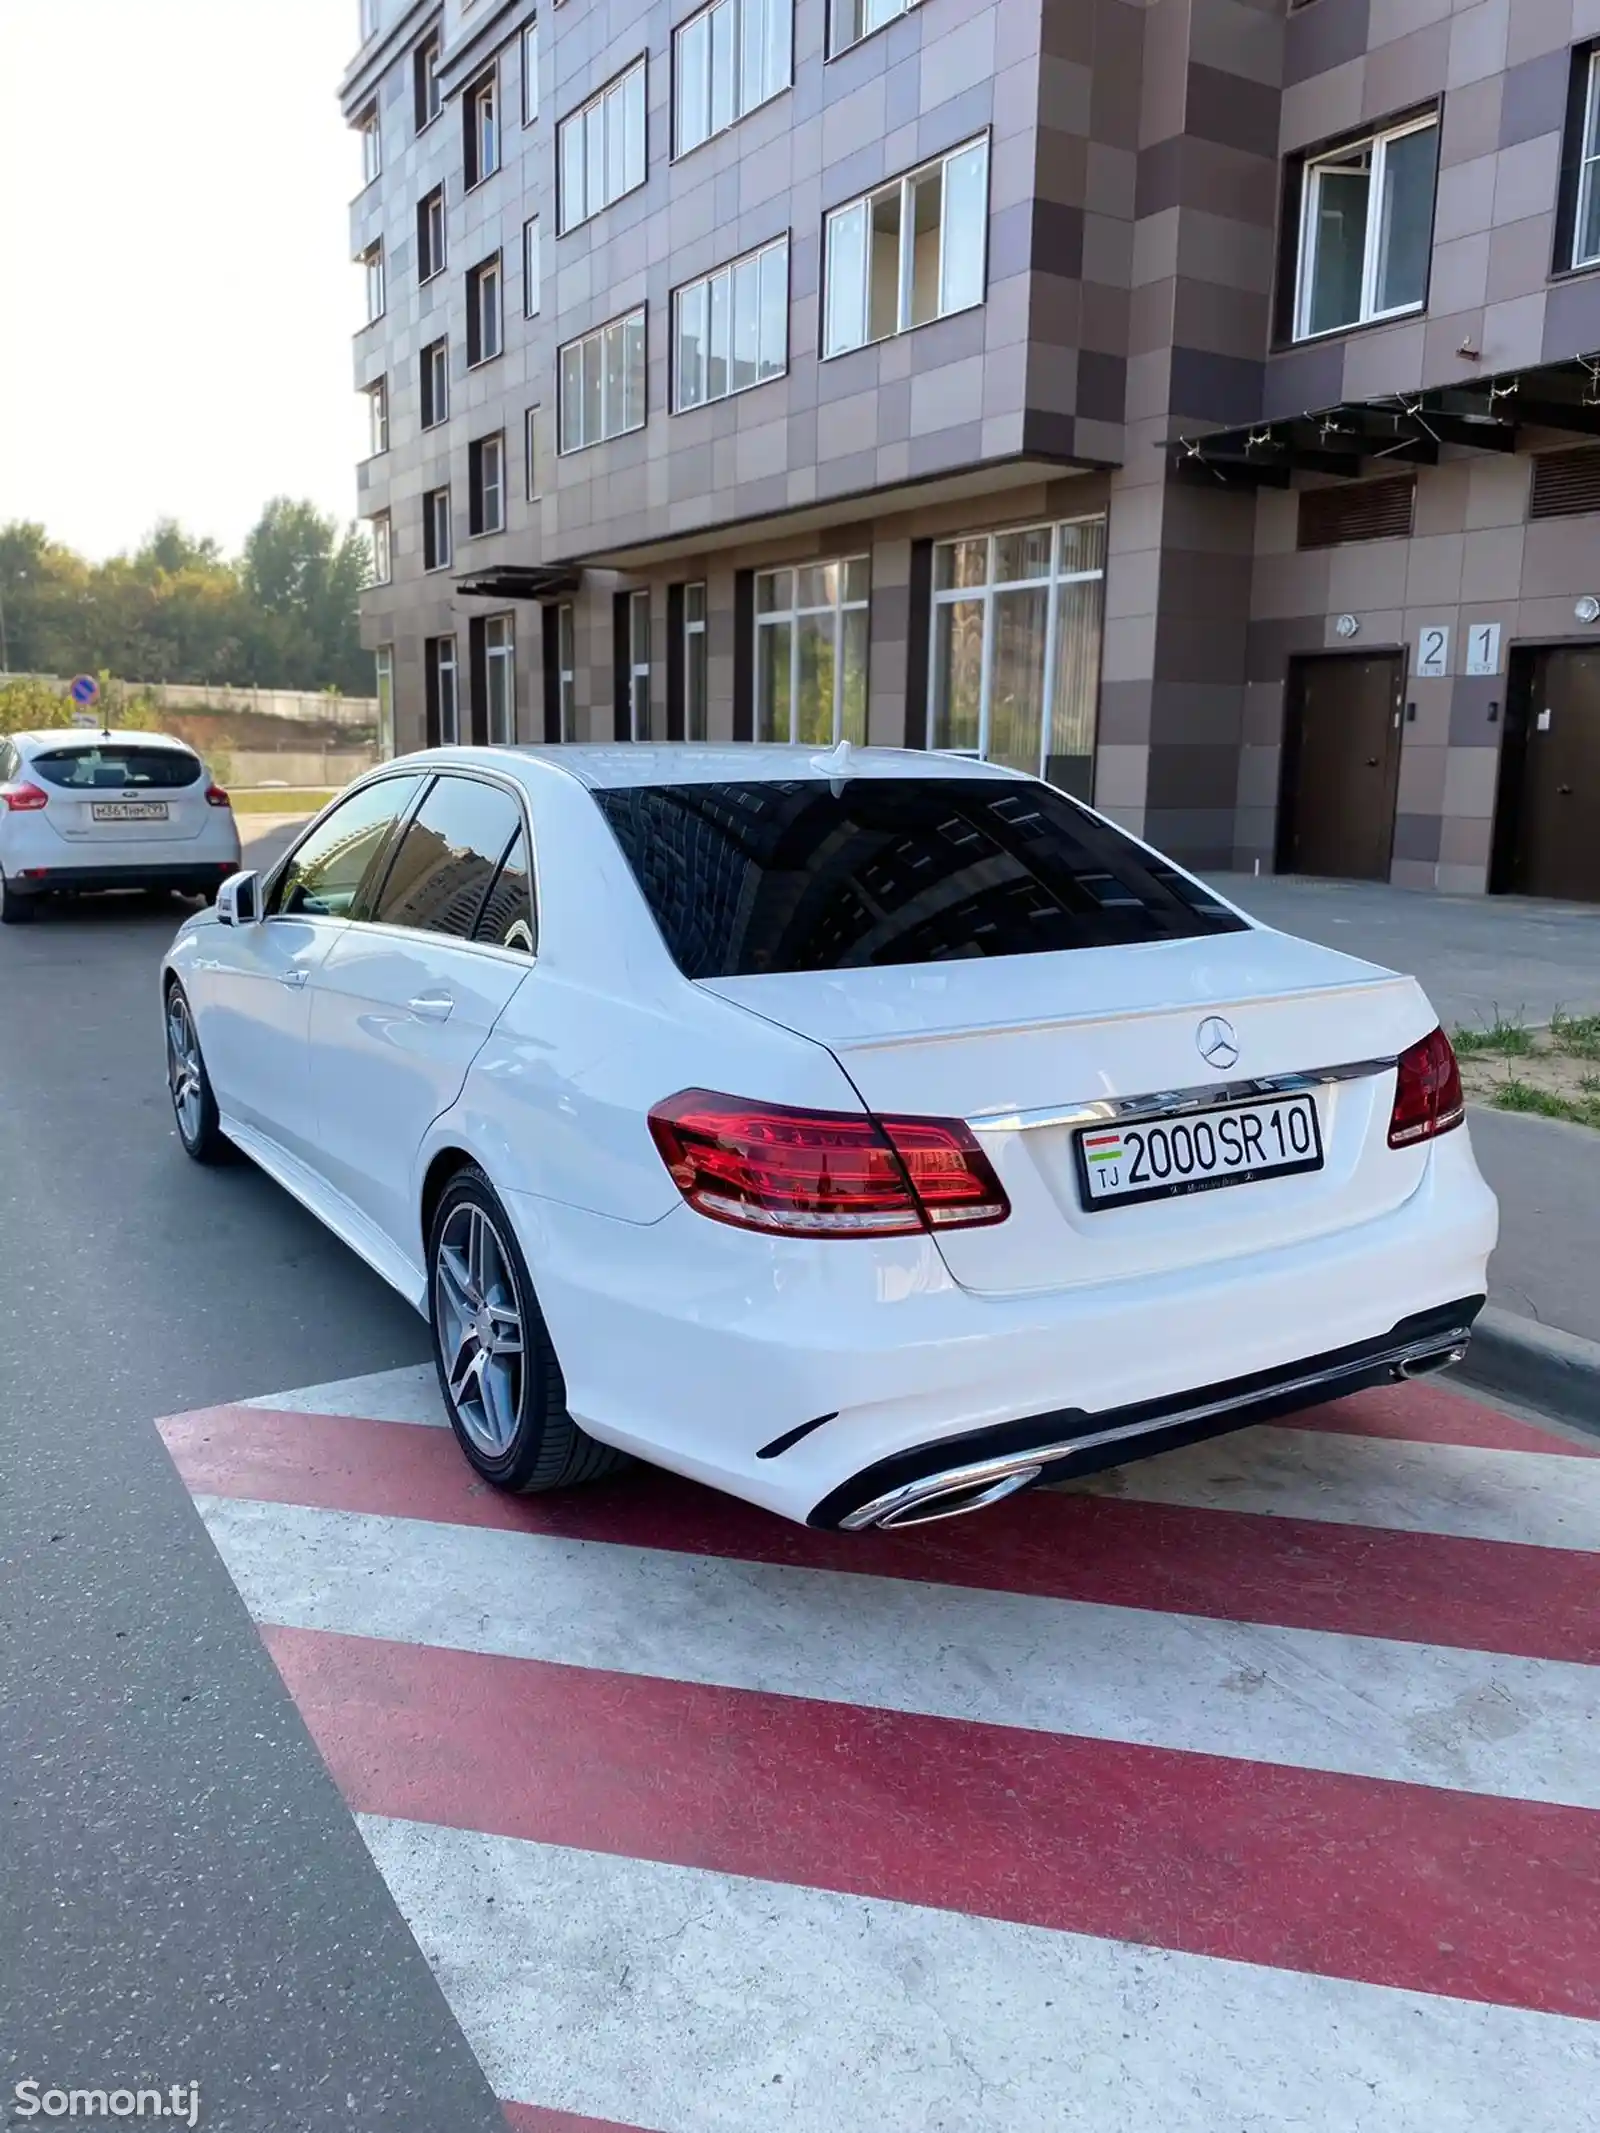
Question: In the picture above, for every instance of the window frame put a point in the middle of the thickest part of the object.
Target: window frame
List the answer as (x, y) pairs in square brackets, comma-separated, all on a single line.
[(459, 773), (383, 685), (481, 142), (837, 50), (376, 396), (436, 669), (737, 110), (370, 127), (728, 270), (428, 97), (640, 640), (1378, 141), (529, 46), (579, 342), (382, 523), (480, 488), (530, 451), (567, 668), (532, 266), (617, 86), (953, 595), (504, 656), (432, 520), (487, 270), (1586, 164), (904, 185), (696, 630), (432, 263), (434, 410), (375, 268), (792, 614)]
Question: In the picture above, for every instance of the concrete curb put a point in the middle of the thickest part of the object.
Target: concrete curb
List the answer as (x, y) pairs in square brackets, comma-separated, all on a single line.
[(1537, 1365)]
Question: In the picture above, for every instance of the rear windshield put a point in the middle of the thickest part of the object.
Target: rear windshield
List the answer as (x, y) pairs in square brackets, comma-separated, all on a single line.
[(752, 879), (108, 768)]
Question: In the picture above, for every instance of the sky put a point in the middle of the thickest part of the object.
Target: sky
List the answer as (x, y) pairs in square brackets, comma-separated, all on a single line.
[(176, 293)]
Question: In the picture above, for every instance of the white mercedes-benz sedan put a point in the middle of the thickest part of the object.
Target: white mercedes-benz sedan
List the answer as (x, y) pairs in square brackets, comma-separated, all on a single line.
[(870, 1134)]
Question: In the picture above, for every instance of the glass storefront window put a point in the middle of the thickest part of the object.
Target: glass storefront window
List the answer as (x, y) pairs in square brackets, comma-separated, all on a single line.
[(811, 653)]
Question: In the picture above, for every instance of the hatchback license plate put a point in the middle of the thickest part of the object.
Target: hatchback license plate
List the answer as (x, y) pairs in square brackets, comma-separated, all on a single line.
[(129, 810), (1162, 1158)]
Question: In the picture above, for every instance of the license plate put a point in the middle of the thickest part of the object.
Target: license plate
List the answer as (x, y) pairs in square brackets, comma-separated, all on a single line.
[(129, 810), (1164, 1158)]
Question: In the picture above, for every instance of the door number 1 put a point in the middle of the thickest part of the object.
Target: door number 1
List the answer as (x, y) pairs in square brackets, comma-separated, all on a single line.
[(1483, 648)]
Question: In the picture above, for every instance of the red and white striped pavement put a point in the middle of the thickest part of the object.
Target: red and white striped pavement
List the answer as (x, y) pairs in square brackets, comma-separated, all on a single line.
[(1250, 1789)]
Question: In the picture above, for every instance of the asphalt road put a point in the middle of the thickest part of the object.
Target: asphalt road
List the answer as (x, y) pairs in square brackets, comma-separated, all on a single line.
[(183, 1896)]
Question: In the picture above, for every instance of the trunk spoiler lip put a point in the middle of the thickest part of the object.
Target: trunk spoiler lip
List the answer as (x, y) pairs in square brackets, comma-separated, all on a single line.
[(1179, 1103)]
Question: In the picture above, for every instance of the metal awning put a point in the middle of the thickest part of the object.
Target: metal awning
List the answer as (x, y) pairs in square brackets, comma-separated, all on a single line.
[(521, 581), (1358, 437)]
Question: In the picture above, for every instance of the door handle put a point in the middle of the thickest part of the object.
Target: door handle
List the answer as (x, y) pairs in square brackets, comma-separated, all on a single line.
[(432, 1006), (1564, 788), (1372, 762), (293, 978)]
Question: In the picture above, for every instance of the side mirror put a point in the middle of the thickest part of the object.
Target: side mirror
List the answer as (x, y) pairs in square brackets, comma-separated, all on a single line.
[(239, 900)]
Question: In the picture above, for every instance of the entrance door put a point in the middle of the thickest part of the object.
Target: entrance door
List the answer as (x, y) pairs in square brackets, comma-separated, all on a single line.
[(1341, 766), (1547, 837)]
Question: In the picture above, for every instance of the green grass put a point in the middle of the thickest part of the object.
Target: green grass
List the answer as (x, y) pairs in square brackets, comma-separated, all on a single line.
[(1507, 1040), (1522, 1096), (279, 802), (1577, 1034)]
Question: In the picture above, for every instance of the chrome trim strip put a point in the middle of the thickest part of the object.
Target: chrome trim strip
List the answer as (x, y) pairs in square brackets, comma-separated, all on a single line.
[(986, 1471), (1176, 1103)]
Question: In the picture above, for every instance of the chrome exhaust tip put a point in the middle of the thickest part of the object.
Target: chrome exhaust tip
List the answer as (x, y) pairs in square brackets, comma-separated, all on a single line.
[(1435, 1359), (941, 1496)]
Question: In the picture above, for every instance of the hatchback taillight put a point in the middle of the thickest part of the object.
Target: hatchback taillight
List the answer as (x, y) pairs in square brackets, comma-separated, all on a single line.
[(1427, 1093), (824, 1173), (216, 797), (22, 798)]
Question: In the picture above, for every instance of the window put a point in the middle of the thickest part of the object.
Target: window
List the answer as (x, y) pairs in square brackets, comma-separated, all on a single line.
[(1014, 675), (601, 383), (506, 920), (694, 662), (444, 693), (530, 452), (486, 484), (435, 364), (811, 653), (100, 767), (430, 234), (328, 868), (567, 664), (910, 252), (369, 19), (483, 311), (371, 145), (1586, 221), (726, 60), (530, 72), (425, 82), (377, 399), (753, 879), (436, 542), (382, 549), (500, 679), (450, 854), (530, 267), (383, 681), (731, 329), (1366, 227), (480, 119), (372, 269), (601, 150), (851, 20), (638, 675)]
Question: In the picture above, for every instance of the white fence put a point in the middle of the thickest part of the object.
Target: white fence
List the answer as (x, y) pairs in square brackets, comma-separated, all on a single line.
[(301, 707)]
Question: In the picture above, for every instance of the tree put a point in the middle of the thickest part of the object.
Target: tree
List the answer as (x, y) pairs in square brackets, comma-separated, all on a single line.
[(305, 580)]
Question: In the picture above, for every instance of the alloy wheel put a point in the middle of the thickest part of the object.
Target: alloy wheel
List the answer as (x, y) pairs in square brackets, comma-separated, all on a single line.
[(184, 1070), (480, 1328)]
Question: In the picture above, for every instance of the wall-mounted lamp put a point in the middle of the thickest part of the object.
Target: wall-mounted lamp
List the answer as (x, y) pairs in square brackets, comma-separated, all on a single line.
[(1349, 626), (1588, 609)]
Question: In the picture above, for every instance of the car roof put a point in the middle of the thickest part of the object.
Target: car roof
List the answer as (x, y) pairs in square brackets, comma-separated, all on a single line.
[(604, 767), (92, 737)]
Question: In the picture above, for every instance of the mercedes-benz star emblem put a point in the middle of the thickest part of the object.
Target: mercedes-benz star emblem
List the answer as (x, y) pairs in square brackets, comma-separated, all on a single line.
[(1219, 1047)]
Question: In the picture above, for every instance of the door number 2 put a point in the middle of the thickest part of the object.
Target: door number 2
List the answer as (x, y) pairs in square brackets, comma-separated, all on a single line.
[(1433, 653)]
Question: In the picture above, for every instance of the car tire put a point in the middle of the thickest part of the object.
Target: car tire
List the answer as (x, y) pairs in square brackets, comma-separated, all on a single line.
[(508, 1407), (15, 910), (194, 1106)]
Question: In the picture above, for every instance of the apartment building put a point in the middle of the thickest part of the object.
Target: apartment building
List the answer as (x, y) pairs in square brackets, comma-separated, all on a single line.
[(1197, 402)]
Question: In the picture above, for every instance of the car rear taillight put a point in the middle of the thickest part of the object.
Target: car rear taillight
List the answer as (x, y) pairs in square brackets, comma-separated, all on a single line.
[(824, 1173), (23, 799), (216, 797), (1427, 1093)]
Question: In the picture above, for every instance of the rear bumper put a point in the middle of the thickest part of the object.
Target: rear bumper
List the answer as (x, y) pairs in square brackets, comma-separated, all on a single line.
[(191, 874)]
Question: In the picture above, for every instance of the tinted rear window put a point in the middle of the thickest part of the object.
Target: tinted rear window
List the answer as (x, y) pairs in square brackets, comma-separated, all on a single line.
[(746, 879), (107, 768)]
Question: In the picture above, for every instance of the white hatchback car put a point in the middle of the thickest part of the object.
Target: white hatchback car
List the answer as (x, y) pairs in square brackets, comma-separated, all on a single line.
[(120, 810), (870, 1135)]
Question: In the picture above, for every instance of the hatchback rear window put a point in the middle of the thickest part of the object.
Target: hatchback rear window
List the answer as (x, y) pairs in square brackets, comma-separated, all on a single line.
[(113, 769), (811, 875)]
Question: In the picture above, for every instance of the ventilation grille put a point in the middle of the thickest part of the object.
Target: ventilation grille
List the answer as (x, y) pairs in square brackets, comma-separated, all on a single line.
[(1566, 484), (1357, 511)]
